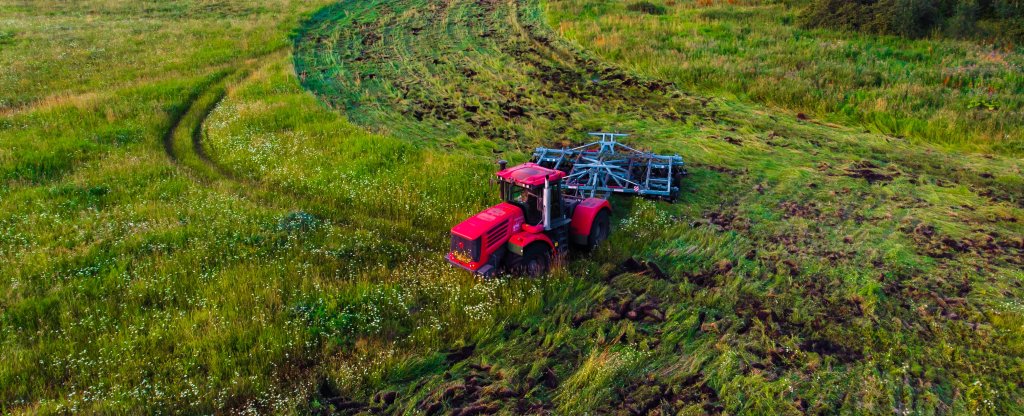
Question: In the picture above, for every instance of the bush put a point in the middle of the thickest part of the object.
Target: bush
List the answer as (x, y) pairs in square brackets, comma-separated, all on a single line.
[(918, 18), (1008, 9), (964, 22), (647, 7), (297, 221)]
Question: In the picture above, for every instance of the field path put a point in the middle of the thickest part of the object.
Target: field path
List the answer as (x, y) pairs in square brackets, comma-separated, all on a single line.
[(183, 144)]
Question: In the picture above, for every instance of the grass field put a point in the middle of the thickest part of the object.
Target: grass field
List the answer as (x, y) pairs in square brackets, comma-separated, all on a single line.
[(214, 207), (959, 95)]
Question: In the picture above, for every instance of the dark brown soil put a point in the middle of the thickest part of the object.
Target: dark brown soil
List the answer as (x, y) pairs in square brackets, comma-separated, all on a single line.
[(651, 396), (871, 172), (482, 391)]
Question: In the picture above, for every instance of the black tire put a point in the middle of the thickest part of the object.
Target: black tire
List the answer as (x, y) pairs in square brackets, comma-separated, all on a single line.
[(599, 230), (535, 261)]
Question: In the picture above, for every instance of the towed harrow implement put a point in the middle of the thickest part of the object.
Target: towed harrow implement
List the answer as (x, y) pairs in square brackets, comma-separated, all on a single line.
[(604, 167)]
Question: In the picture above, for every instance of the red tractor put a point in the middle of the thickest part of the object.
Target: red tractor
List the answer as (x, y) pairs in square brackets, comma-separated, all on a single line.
[(545, 209), (535, 224)]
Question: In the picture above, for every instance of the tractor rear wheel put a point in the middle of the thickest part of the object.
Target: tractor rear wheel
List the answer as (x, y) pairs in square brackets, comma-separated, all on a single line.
[(599, 230), (535, 261)]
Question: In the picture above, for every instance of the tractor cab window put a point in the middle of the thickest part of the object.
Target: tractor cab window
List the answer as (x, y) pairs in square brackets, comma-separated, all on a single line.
[(556, 204), (530, 200)]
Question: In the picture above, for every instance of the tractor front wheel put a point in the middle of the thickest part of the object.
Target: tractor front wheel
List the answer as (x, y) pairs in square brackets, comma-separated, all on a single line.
[(535, 261), (599, 230)]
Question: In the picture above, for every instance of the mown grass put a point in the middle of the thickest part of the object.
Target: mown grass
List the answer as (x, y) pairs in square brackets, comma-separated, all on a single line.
[(961, 95), (213, 238)]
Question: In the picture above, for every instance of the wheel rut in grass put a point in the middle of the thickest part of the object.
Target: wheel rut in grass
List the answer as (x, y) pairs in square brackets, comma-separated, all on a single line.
[(178, 119), (184, 146), (183, 140)]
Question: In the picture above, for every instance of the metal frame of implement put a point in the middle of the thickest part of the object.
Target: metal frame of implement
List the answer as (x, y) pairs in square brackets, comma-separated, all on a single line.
[(607, 166)]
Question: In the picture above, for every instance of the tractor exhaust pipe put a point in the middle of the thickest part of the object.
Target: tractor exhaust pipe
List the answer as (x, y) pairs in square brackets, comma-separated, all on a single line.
[(547, 204), (502, 163)]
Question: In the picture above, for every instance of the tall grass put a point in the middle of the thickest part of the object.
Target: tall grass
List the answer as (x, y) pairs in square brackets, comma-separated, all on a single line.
[(961, 95)]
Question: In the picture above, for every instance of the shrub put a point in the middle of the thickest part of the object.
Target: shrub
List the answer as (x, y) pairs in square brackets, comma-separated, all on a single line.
[(297, 221), (647, 7), (1008, 9), (964, 21)]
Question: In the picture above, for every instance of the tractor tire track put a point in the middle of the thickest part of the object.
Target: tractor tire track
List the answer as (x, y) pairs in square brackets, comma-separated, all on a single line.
[(178, 118), (184, 145), (183, 142)]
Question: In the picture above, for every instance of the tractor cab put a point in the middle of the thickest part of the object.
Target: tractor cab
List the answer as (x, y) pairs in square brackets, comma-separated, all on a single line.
[(537, 191)]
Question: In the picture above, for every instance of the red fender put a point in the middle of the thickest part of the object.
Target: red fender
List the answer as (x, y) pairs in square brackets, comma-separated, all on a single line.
[(583, 217), (520, 240)]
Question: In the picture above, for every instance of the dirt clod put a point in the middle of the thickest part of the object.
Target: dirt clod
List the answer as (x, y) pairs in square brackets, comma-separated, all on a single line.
[(724, 266), (644, 268), (549, 379), (384, 398), (460, 354), (871, 172), (793, 209)]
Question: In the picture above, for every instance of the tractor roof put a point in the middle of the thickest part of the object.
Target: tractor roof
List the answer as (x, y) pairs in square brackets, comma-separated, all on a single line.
[(530, 174)]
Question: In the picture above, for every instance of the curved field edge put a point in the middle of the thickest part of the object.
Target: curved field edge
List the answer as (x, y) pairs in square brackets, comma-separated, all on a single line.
[(812, 266)]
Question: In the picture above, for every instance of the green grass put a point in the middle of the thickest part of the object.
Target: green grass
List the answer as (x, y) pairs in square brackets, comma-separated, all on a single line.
[(196, 232), (957, 94)]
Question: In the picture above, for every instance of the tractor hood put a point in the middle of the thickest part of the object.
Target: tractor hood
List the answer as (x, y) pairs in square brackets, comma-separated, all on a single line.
[(479, 224)]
